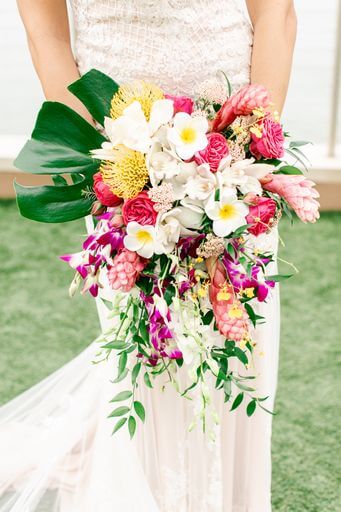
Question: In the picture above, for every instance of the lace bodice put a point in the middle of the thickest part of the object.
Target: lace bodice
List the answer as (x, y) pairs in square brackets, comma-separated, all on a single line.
[(174, 43)]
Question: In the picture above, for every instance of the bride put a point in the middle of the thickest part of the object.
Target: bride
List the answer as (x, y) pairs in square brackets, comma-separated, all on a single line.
[(57, 454)]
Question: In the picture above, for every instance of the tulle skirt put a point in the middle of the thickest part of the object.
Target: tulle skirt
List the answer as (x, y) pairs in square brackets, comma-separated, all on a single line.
[(58, 454)]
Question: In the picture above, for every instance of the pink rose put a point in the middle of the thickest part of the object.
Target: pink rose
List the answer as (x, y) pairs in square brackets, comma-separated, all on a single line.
[(214, 152), (262, 211), (139, 209), (270, 144), (103, 192), (181, 103)]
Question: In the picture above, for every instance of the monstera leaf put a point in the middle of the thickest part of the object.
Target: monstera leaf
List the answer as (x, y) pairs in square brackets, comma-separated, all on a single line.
[(95, 90), (60, 144)]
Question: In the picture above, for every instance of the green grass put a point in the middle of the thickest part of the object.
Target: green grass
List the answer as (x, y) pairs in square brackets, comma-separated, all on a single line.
[(42, 328)]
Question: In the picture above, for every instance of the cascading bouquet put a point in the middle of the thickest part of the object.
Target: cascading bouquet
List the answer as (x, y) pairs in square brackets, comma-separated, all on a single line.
[(180, 190)]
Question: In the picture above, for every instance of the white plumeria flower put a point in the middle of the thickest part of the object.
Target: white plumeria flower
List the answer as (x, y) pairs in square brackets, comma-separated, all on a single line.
[(227, 214), (132, 128), (188, 134), (202, 184), (142, 239)]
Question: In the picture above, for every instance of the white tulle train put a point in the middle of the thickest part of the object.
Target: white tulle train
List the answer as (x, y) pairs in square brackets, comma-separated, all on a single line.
[(58, 454)]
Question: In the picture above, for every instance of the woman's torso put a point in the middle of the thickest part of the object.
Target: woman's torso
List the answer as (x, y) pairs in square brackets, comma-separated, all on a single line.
[(174, 43)]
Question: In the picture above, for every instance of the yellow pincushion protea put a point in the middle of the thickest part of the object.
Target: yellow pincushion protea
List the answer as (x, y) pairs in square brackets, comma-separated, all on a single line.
[(127, 174), (145, 93)]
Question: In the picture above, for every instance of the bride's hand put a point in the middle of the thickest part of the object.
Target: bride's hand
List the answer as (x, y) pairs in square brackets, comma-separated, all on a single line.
[(274, 24), (48, 33)]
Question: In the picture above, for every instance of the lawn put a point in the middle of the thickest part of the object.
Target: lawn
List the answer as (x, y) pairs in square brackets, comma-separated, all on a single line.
[(42, 328)]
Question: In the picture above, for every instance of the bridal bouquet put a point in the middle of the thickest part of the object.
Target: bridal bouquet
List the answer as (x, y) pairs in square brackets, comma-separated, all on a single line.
[(181, 191)]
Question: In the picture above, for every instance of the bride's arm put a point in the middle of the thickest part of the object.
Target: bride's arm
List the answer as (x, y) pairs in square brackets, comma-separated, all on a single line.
[(48, 34), (274, 23)]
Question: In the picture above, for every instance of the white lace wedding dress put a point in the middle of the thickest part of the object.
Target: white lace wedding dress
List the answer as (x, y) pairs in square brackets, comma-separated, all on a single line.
[(57, 452)]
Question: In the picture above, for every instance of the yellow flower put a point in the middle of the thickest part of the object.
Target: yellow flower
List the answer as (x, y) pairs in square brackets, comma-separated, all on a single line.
[(249, 292), (256, 130), (243, 343), (146, 94), (235, 312), (224, 294), (258, 112), (127, 174), (202, 292)]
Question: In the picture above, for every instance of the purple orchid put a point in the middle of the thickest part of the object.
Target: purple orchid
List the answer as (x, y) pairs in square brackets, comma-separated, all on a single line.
[(188, 246), (161, 336), (241, 280)]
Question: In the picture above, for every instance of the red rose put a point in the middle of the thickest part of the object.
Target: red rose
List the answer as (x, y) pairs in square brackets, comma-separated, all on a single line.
[(214, 152), (139, 209), (181, 103), (271, 143), (103, 192), (262, 211)]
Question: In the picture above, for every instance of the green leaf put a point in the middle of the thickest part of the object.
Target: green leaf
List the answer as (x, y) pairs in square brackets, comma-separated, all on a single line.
[(227, 387), (243, 386), (119, 424), (251, 407), (237, 401), (140, 411), (298, 143), (135, 372), (207, 318), (95, 90), (238, 232), (115, 345), (77, 178), (121, 377), (59, 181), (147, 380), (124, 395), (169, 294), (241, 355), (278, 277), (288, 169), (38, 157), (54, 204), (119, 411), (145, 284), (144, 331), (131, 426), (122, 362), (59, 125)]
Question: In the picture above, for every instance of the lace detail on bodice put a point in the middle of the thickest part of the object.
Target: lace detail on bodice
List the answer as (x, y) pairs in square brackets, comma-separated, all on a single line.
[(175, 43)]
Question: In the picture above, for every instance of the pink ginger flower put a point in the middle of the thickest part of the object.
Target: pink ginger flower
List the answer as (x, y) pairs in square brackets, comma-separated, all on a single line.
[(241, 104), (125, 270), (230, 314), (297, 191)]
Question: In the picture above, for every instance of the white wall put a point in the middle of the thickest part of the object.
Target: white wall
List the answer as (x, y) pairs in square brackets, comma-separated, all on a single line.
[(308, 106)]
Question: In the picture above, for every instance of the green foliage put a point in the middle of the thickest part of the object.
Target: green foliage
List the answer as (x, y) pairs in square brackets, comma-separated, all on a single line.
[(95, 90), (60, 144)]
